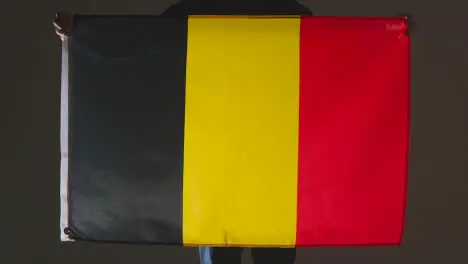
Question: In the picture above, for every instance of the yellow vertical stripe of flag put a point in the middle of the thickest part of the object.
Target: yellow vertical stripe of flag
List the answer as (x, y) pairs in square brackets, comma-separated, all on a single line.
[(241, 131)]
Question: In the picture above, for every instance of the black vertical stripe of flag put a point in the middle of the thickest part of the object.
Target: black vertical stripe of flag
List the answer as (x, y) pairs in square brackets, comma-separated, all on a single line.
[(127, 99)]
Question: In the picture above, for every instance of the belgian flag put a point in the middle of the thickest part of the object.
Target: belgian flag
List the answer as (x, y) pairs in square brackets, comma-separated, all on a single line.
[(235, 130)]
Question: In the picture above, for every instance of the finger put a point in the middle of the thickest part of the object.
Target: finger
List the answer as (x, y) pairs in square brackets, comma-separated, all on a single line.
[(62, 23), (56, 24)]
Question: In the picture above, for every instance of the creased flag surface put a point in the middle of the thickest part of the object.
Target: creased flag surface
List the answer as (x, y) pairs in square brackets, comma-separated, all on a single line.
[(235, 130)]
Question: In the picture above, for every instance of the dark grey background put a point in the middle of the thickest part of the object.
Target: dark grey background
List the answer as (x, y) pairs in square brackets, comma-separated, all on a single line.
[(437, 217)]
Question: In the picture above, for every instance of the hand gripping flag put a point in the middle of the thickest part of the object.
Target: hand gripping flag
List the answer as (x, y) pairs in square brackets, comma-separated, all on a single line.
[(235, 130)]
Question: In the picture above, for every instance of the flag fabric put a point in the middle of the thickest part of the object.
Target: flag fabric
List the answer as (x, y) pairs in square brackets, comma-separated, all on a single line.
[(235, 130)]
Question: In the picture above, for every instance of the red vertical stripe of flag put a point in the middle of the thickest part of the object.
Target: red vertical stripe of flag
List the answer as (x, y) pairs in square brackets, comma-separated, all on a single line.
[(353, 131)]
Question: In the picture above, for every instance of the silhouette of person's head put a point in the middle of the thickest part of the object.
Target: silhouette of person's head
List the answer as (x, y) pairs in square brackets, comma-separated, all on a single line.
[(237, 7)]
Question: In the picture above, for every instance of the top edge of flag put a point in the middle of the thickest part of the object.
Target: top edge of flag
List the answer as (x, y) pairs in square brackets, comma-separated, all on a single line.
[(399, 17), (79, 18), (245, 16)]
